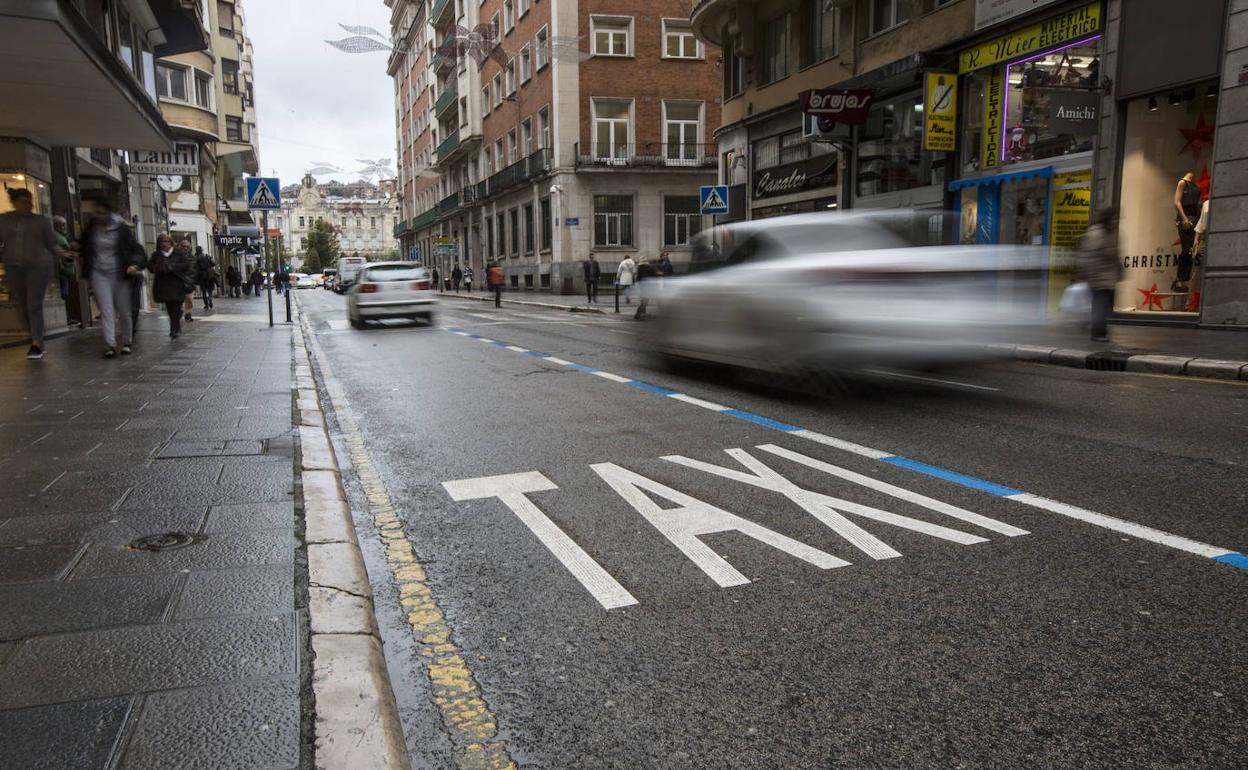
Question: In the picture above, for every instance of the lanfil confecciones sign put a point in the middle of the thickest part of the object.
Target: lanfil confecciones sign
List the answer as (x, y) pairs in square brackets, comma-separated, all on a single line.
[(182, 161), (838, 105)]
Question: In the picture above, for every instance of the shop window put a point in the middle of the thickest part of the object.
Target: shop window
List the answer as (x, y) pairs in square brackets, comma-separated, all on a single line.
[(890, 149), (171, 81), (678, 40), (613, 220), (682, 219), (886, 14), (611, 36), (774, 53), (820, 28), (529, 229)]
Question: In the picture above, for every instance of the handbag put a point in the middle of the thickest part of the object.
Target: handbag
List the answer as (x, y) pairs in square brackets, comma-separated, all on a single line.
[(1076, 300)]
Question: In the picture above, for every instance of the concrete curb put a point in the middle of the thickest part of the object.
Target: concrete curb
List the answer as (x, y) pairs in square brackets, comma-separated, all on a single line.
[(530, 303), (357, 718), (1125, 361)]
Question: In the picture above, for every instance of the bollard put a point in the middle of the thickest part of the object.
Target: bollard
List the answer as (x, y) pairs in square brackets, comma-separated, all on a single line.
[(288, 306), (617, 297)]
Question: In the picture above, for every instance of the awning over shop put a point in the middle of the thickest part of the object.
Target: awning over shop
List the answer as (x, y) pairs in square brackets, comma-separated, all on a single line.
[(250, 231), (1045, 172), (62, 86)]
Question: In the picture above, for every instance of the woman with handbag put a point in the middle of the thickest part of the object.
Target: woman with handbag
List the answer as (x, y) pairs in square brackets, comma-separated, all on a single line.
[(174, 279)]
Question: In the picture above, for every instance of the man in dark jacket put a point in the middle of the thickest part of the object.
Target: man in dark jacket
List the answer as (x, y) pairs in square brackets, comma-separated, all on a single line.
[(205, 276), (111, 259), (257, 282), (457, 275), (29, 249), (592, 272), (1098, 265)]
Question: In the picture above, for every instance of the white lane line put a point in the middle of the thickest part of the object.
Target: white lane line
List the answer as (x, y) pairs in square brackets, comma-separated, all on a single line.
[(836, 443), (714, 407), (610, 376), (1132, 529), (483, 339), (917, 378), (517, 349), (558, 361)]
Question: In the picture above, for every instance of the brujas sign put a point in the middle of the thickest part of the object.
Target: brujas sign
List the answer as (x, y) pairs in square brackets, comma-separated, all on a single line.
[(839, 105)]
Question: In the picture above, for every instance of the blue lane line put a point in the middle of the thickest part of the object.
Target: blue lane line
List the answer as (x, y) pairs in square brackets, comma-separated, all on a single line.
[(760, 420), (956, 478), (498, 344), (535, 354), (651, 388), (583, 368), (1233, 559)]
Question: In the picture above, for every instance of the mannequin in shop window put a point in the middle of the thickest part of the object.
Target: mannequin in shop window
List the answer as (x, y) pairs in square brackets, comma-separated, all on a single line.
[(1187, 204)]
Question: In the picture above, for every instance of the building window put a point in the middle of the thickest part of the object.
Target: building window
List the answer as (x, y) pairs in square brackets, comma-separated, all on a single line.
[(499, 158), (678, 40), (498, 90), (229, 76), (543, 48), (513, 146), (526, 136), (511, 77), (372, 221), (203, 91), (489, 236), (775, 53), (611, 128), (886, 14), (149, 70), (233, 128), (682, 219), (302, 222), (529, 229), (526, 63), (613, 220), (682, 132), (509, 16), (543, 127), (514, 214), (125, 40), (734, 71), (820, 28), (171, 81), (611, 35), (485, 101), (524, 7), (544, 210), (225, 18)]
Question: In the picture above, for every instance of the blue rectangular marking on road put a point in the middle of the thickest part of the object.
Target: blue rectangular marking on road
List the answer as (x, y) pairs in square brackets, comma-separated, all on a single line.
[(583, 368), (535, 354), (1233, 559), (956, 478), (651, 388), (760, 420)]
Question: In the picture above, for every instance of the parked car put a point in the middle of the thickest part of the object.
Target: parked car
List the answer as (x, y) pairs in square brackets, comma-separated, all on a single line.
[(845, 291), (303, 281), (330, 275), (391, 290)]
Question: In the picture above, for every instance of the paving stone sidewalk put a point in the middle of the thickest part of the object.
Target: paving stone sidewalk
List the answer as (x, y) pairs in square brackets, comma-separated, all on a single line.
[(114, 656)]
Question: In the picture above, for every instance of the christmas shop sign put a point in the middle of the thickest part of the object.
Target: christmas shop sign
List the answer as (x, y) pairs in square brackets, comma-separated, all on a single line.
[(795, 177)]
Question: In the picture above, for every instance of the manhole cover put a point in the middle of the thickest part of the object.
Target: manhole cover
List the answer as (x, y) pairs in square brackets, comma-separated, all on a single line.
[(167, 541)]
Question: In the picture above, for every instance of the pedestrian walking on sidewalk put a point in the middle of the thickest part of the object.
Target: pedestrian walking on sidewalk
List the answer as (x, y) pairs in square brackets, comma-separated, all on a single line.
[(257, 282), (437, 280), (29, 250), (173, 279), (1097, 264), (592, 272), (188, 303), (111, 258), (457, 275), (625, 277), (206, 275), (234, 279), (468, 279), (494, 278), (645, 283)]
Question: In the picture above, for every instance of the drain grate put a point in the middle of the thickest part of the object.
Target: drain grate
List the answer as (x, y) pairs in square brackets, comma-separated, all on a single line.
[(1108, 361), (167, 541)]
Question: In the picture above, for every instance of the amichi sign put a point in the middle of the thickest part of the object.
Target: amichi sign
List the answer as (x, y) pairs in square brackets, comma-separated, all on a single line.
[(1073, 112), (1063, 28), (795, 177)]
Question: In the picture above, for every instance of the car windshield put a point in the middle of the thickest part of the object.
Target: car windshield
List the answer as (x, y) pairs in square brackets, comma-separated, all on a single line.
[(397, 273)]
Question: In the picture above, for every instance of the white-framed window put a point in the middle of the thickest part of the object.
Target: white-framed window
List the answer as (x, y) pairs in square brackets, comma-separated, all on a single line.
[(526, 63), (203, 90), (523, 7), (500, 159), (886, 14), (511, 77), (543, 127), (171, 81), (526, 136), (775, 53), (496, 23), (509, 16), (613, 220), (682, 219), (821, 28), (612, 35), (486, 105), (682, 132), (498, 89), (678, 40), (612, 128), (513, 145), (543, 48)]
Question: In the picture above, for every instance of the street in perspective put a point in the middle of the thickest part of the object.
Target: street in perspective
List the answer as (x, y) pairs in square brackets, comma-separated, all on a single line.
[(678, 385)]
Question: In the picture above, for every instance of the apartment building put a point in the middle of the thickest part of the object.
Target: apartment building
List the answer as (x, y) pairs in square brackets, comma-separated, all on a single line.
[(1020, 115), (556, 129)]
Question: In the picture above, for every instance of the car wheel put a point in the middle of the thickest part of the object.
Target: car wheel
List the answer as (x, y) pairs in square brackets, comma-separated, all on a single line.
[(429, 318), (357, 323)]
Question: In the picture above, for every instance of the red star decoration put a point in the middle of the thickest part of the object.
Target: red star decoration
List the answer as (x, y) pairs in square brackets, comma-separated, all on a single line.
[(1198, 138), (1193, 302), (1203, 182), (1151, 299)]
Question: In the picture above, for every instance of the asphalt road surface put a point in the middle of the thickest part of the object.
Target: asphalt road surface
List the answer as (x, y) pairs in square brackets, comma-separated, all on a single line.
[(1015, 565)]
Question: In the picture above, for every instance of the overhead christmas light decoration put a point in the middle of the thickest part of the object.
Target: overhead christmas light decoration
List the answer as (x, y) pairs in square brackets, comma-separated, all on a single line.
[(481, 43), (359, 44)]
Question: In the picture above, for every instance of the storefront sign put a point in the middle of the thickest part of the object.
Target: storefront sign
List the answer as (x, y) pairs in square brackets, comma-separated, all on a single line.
[(232, 241), (795, 177), (1068, 219), (183, 161), (1073, 112), (994, 105), (1069, 26), (940, 113), (990, 12), (840, 105)]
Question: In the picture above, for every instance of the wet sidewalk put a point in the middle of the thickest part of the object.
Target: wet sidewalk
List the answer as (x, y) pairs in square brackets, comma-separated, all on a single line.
[(148, 610)]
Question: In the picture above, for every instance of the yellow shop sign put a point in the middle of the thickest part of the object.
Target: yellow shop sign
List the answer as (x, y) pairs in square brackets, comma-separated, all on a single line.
[(1069, 26), (940, 114)]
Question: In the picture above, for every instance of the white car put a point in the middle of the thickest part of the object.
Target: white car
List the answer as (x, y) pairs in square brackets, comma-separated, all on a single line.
[(391, 290), (303, 281), (821, 292)]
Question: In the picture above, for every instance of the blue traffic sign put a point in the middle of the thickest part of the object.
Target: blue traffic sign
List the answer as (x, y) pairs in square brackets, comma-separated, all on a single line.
[(714, 199), (264, 193)]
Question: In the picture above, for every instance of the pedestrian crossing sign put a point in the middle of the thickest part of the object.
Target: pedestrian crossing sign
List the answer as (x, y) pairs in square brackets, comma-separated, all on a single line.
[(264, 193), (714, 199)]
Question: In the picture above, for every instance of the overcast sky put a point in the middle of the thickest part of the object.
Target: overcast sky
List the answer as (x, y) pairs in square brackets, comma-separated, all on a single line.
[(316, 103)]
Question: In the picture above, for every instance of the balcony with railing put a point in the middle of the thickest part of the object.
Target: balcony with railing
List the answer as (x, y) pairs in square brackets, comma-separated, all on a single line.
[(445, 55), (647, 155), (529, 167), (448, 205), (448, 146), (449, 98), (438, 13)]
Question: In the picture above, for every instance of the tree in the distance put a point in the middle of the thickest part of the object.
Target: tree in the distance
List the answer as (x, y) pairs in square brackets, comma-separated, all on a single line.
[(320, 248)]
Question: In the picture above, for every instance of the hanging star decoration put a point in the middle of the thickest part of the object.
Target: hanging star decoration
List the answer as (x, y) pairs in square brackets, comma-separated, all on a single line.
[(1193, 302), (1152, 298), (1198, 138)]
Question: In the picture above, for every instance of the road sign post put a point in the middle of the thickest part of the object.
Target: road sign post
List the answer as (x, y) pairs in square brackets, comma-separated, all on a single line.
[(268, 261), (714, 199), (264, 193)]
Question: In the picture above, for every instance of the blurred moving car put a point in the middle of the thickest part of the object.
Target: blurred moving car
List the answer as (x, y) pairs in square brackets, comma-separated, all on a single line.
[(391, 290), (330, 276), (843, 291), (302, 281), (348, 269)]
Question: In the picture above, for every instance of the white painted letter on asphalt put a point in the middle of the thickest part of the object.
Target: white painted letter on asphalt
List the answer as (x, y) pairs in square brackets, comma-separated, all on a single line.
[(511, 489), (693, 518)]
